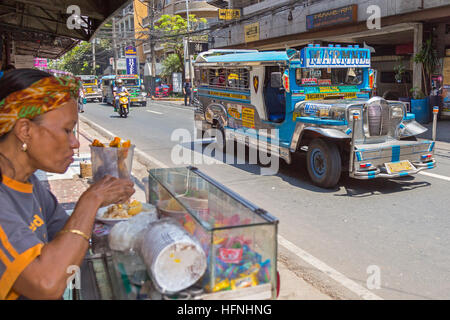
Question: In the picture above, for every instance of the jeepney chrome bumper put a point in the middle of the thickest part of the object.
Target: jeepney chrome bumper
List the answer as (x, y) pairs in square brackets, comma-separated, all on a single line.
[(392, 152), (95, 96), (364, 175)]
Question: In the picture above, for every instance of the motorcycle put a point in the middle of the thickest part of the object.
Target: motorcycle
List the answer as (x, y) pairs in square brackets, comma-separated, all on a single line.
[(123, 109)]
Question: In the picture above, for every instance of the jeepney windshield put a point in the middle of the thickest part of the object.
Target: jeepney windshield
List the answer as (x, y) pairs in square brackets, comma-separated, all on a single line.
[(130, 82), (328, 76)]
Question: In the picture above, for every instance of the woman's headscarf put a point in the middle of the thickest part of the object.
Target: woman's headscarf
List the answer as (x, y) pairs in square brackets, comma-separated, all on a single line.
[(44, 95)]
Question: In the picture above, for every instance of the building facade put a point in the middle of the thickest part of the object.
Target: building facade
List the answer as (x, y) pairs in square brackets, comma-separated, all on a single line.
[(394, 30)]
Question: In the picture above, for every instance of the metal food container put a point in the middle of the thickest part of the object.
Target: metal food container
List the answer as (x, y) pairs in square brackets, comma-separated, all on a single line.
[(174, 258), (238, 238), (116, 162)]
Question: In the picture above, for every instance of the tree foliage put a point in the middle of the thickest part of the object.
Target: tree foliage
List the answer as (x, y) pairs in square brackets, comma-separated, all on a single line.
[(79, 59), (173, 28), (171, 64)]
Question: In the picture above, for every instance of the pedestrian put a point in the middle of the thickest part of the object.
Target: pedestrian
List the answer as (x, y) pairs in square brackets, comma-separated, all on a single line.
[(81, 100), (187, 92), (39, 241)]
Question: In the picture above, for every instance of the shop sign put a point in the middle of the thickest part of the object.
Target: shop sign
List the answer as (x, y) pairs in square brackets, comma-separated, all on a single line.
[(24, 61), (309, 81), (130, 51), (446, 71), (197, 47), (176, 82), (251, 32), (229, 14), (336, 57), (40, 63), (131, 65), (332, 17)]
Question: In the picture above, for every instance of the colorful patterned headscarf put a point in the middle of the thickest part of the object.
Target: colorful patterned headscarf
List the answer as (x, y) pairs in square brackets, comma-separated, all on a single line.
[(44, 95)]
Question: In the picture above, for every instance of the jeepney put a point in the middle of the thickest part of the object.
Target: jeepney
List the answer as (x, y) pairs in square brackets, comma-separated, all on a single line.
[(131, 82), (91, 87), (316, 100)]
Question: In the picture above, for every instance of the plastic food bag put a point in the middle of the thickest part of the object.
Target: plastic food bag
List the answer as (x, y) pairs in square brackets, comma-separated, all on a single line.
[(174, 259), (125, 235)]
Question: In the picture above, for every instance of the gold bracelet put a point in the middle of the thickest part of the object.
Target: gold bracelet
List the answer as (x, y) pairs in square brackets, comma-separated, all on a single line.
[(75, 231)]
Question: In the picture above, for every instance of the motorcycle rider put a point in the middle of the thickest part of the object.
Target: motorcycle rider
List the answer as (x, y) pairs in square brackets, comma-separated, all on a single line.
[(118, 89)]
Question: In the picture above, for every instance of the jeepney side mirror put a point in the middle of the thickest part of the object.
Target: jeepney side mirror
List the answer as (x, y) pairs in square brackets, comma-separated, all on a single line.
[(275, 80), (142, 87)]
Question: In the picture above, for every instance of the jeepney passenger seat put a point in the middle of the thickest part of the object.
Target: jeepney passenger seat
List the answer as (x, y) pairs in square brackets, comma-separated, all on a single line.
[(275, 104)]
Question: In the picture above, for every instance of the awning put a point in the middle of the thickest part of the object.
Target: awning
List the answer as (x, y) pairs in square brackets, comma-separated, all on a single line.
[(50, 28)]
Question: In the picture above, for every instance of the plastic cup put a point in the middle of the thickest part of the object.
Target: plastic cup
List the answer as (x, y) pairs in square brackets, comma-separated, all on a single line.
[(116, 162)]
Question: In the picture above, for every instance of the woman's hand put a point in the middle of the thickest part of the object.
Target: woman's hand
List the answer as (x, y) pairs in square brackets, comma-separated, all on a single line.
[(110, 190)]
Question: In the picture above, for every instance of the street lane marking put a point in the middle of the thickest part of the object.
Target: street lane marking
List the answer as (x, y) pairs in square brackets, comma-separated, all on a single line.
[(154, 111), (332, 273), (434, 175)]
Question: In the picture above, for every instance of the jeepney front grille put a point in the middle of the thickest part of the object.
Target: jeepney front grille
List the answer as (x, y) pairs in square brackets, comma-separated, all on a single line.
[(378, 119)]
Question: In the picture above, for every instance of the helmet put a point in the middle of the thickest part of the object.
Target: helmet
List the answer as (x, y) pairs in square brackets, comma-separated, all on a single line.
[(119, 81)]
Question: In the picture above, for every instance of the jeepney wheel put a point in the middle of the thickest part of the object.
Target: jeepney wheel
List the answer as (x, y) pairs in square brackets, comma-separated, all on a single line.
[(323, 162)]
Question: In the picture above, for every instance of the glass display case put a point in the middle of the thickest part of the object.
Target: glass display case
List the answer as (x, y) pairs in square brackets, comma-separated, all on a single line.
[(238, 238)]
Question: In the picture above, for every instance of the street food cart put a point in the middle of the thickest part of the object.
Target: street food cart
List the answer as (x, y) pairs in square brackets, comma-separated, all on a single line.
[(239, 241)]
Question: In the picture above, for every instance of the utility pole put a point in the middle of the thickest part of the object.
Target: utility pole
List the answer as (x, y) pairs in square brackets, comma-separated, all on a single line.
[(114, 44), (93, 57), (152, 49), (187, 51)]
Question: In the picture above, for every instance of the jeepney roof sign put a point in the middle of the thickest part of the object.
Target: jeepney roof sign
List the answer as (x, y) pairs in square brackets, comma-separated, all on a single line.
[(335, 57)]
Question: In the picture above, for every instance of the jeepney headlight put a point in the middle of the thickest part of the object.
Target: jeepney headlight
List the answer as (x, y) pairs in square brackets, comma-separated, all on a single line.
[(336, 113), (396, 112)]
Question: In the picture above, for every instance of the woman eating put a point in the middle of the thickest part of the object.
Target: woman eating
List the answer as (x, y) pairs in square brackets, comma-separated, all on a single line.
[(38, 240)]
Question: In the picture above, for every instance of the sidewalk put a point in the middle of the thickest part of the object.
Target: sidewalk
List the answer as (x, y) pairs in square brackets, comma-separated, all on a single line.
[(68, 187)]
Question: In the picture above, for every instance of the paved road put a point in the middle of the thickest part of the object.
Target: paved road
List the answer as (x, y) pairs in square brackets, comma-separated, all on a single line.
[(400, 227)]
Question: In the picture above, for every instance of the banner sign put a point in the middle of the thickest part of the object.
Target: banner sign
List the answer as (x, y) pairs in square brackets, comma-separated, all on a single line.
[(335, 57), (131, 66), (40, 63), (332, 17)]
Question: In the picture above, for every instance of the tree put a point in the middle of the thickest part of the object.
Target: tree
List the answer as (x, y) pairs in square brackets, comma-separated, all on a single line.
[(429, 59), (79, 59), (172, 64), (173, 29)]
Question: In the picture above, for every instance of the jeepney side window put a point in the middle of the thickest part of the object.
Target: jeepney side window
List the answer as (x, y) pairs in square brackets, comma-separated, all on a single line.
[(217, 77), (203, 76), (238, 78)]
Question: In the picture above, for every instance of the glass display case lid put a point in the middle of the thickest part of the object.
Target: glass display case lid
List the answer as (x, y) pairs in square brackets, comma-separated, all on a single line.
[(212, 204)]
